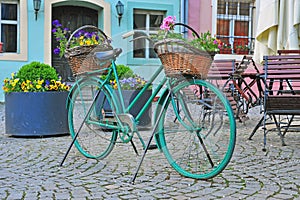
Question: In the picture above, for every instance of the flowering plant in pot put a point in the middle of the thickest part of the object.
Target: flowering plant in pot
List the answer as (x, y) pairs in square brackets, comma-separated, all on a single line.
[(35, 102), (242, 49), (225, 49), (128, 79), (34, 77), (131, 85)]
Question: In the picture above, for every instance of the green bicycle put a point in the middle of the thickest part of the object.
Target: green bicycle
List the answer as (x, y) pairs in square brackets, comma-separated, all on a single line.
[(193, 123)]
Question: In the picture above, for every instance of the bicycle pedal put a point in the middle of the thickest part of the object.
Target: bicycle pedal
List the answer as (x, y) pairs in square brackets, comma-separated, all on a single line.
[(152, 146)]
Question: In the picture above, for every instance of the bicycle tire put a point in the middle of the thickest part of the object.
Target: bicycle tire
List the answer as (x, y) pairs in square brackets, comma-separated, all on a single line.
[(193, 120), (94, 140)]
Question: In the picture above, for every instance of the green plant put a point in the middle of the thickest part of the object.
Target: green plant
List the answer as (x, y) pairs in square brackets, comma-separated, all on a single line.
[(242, 47), (205, 42), (225, 46), (128, 79), (34, 77), (80, 38)]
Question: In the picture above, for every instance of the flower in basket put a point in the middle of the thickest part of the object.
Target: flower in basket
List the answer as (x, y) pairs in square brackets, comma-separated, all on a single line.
[(167, 30), (128, 79), (80, 38), (206, 42), (34, 77)]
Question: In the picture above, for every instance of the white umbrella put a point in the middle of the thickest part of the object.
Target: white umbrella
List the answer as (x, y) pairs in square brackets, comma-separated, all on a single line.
[(278, 27)]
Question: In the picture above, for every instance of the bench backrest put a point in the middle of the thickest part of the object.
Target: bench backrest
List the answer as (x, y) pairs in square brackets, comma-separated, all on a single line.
[(282, 83), (220, 69)]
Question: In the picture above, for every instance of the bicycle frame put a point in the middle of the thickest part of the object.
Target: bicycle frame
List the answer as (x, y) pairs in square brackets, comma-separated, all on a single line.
[(124, 109)]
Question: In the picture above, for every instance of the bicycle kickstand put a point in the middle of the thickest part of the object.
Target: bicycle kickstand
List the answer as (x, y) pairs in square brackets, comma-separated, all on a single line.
[(76, 135), (149, 141)]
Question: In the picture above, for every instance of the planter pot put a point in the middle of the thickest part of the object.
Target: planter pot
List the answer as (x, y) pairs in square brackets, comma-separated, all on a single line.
[(36, 113), (225, 51), (241, 51), (129, 95)]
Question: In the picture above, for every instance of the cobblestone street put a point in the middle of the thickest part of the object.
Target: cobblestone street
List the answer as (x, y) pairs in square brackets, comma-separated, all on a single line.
[(29, 169)]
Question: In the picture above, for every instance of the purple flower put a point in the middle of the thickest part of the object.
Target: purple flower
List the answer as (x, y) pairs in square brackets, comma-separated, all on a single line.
[(123, 81), (66, 29), (54, 30), (56, 23), (47, 82), (56, 51)]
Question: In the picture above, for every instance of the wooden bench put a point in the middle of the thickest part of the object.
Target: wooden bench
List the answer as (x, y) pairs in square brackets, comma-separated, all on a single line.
[(281, 80)]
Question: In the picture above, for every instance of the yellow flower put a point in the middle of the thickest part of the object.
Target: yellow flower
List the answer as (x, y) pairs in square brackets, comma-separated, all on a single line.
[(53, 87), (38, 86), (88, 42), (23, 86), (14, 82), (40, 82), (5, 89), (66, 87)]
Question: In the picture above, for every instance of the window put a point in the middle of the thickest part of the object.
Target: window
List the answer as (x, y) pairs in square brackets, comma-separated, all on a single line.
[(9, 26), (146, 22), (234, 22)]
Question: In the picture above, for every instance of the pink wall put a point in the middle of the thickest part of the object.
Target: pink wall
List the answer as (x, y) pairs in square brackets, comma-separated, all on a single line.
[(200, 15)]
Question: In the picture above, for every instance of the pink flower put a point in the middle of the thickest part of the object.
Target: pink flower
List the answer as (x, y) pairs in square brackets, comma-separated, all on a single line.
[(168, 23)]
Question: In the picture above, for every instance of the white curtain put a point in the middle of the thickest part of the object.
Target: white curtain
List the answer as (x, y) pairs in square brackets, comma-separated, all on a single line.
[(278, 27)]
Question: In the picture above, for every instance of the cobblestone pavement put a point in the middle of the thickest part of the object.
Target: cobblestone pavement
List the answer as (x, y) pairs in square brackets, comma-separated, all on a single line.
[(29, 169)]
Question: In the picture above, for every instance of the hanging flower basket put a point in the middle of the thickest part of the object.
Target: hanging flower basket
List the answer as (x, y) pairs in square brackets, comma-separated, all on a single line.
[(81, 58), (180, 58)]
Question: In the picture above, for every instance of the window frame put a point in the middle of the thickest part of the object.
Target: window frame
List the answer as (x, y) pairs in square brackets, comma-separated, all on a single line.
[(22, 39), (11, 22), (232, 18), (131, 60)]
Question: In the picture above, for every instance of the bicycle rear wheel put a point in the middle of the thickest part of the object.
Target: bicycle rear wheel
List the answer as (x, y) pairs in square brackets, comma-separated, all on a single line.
[(197, 130), (96, 138)]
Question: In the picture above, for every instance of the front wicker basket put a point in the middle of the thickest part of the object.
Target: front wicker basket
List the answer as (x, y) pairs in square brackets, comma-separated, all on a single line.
[(179, 58), (81, 58)]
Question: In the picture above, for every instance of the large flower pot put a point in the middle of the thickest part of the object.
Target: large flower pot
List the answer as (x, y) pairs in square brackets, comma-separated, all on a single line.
[(129, 95), (36, 113)]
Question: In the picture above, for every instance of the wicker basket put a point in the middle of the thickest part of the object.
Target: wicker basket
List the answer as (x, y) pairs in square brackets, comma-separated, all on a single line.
[(179, 58), (81, 58)]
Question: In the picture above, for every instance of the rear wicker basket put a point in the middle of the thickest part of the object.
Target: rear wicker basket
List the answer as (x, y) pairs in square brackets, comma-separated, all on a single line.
[(180, 58), (81, 58)]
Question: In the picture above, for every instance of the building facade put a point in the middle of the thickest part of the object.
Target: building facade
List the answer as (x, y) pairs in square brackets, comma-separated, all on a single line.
[(26, 33)]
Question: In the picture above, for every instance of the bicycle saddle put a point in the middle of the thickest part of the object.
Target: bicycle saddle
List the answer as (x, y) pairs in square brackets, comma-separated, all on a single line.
[(108, 55)]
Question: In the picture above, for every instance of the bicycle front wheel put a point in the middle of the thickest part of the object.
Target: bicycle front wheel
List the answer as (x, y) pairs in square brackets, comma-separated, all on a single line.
[(197, 130), (97, 136)]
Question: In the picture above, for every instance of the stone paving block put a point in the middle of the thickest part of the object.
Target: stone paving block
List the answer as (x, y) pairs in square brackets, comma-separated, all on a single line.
[(31, 167)]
